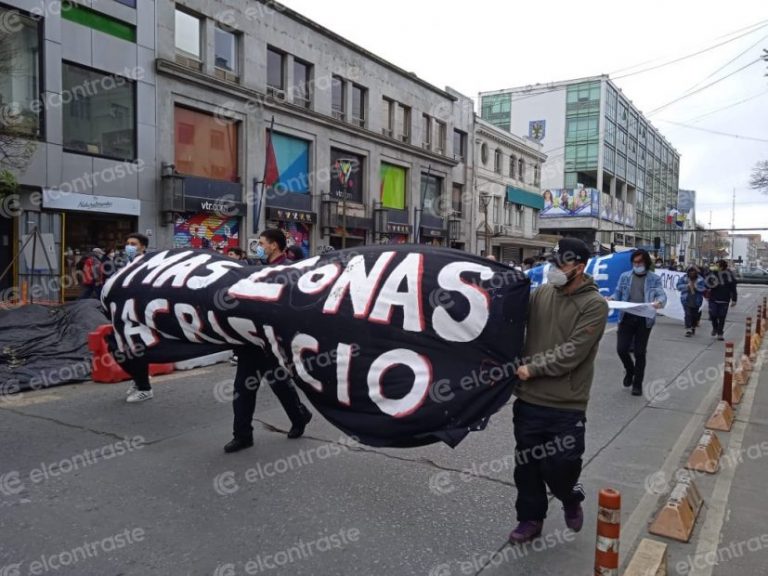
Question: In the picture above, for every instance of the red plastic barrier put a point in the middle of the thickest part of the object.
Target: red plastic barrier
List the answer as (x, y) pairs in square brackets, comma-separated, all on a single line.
[(104, 367)]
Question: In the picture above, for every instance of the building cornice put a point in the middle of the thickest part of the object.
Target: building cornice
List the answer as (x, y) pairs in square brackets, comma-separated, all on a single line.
[(244, 94)]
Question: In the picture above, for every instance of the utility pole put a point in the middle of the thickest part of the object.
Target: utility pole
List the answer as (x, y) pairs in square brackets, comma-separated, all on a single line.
[(733, 226), (711, 238)]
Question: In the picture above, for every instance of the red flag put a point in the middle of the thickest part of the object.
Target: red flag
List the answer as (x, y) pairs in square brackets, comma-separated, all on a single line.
[(271, 172)]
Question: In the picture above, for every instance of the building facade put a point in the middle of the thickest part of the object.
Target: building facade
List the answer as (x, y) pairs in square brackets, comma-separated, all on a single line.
[(610, 176), (507, 180), (744, 249), (78, 113), (199, 123)]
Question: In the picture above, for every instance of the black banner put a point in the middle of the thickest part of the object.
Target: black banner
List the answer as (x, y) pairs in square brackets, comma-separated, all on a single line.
[(396, 345)]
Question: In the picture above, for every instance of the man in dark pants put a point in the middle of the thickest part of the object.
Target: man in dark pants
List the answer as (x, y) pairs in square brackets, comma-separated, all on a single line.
[(639, 285), (253, 365), (566, 320), (722, 294)]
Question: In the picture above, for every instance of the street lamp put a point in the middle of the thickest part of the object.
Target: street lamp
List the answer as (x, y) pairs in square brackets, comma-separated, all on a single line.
[(485, 200)]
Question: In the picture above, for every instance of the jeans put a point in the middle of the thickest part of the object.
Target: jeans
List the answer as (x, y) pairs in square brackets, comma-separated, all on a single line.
[(718, 311), (691, 317), (549, 445), (138, 369), (633, 335), (252, 366)]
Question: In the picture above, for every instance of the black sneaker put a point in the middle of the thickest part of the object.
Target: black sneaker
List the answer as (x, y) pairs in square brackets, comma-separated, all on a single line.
[(297, 430), (720, 337), (689, 333), (714, 332), (628, 379), (637, 391), (237, 444)]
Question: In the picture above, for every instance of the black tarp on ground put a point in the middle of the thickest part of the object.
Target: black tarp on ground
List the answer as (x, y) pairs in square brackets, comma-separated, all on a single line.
[(42, 346)]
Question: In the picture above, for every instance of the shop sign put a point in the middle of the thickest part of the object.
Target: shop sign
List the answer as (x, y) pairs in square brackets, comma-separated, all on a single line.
[(291, 215), (60, 200)]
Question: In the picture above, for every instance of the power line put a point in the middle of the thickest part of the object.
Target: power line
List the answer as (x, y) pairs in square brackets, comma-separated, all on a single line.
[(731, 61), (739, 136), (706, 86), (687, 56), (753, 27), (726, 107)]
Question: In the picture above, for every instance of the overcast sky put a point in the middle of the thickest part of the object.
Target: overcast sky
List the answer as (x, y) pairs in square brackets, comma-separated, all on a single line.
[(493, 44)]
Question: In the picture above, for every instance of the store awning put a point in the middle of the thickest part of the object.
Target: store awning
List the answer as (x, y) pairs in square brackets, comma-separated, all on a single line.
[(525, 198)]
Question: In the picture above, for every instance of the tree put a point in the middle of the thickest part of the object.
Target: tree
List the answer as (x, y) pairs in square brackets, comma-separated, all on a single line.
[(759, 178)]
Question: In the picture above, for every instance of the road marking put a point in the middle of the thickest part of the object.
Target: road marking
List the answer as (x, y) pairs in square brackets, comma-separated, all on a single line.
[(25, 399), (709, 537)]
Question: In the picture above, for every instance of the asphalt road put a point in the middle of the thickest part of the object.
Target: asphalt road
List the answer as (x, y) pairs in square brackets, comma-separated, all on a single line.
[(90, 485)]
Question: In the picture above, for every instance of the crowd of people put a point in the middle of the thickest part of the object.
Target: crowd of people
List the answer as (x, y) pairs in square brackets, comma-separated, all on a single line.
[(551, 397)]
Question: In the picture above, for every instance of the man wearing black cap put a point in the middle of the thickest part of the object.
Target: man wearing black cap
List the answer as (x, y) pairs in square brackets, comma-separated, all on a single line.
[(566, 319)]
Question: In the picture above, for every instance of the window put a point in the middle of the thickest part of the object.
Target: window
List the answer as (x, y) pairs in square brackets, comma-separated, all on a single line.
[(521, 170), (187, 34), (432, 187), (20, 75), (582, 127), (98, 21), (442, 134), (512, 165), (392, 186), (536, 174), (338, 100), (426, 131), (275, 69), (484, 153), (457, 200), (292, 153), (519, 211), (302, 83), (99, 116), (359, 97), (225, 50), (459, 144), (497, 161), (496, 109), (387, 116), (205, 145), (404, 122), (497, 209)]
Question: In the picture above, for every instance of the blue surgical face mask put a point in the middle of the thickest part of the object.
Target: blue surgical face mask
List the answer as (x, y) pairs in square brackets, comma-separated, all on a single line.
[(260, 253), (131, 251), (638, 269)]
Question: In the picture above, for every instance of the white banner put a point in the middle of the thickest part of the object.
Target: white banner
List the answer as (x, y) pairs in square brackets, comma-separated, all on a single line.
[(674, 308)]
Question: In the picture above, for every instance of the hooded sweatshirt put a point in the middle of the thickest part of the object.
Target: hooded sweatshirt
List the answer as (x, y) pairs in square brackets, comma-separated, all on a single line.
[(563, 334)]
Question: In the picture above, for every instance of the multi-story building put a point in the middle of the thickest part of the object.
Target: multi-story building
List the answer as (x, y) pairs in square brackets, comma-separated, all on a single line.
[(353, 149), (199, 123), (744, 250), (77, 94), (610, 176), (507, 181)]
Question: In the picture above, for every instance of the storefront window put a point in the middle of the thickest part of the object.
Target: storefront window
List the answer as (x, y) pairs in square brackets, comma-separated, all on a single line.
[(432, 189), (347, 175), (99, 113), (206, 146), (392, 186), (19, 74), (292, 160)]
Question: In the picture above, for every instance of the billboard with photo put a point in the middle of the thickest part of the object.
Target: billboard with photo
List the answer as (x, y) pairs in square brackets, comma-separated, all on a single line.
[(570, 202), (686, 200)]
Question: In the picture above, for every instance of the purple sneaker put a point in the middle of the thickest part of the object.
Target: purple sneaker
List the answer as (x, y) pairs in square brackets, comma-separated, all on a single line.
[(574, 517), (526, 531)]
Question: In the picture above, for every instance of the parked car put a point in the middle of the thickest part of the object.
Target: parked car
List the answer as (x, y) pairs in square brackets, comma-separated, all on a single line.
[(753, 276)]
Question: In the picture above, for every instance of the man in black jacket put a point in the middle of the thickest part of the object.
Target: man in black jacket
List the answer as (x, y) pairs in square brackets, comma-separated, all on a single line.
[(721, 286)]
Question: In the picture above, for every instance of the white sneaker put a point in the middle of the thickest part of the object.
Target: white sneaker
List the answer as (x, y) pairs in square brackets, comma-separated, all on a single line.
[(140, 396), (131, 390)]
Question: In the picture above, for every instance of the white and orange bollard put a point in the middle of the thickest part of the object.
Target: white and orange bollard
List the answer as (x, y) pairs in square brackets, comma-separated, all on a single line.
[(608, 528)]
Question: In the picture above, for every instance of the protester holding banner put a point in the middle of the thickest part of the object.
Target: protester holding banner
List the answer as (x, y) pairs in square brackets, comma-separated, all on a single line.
[(253, 365), (722, 293), (566, 320), (637, 285), (691, 288)]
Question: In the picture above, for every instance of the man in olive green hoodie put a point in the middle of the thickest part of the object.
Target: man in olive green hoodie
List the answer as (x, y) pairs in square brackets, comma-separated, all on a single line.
[(566, 319)]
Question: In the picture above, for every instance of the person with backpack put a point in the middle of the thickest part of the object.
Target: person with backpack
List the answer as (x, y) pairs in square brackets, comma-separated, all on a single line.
[(89, 270), (691, 288)]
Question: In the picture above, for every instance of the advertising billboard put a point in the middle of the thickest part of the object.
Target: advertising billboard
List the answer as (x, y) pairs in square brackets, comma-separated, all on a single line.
[(570, 202)]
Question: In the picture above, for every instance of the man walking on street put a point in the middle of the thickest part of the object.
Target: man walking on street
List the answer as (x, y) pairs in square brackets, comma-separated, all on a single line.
[(254, 364), (638, 285), (566, 320), (722, 293)]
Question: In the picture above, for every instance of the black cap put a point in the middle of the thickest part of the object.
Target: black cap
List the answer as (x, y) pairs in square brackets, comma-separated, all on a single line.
[(571, 250)]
